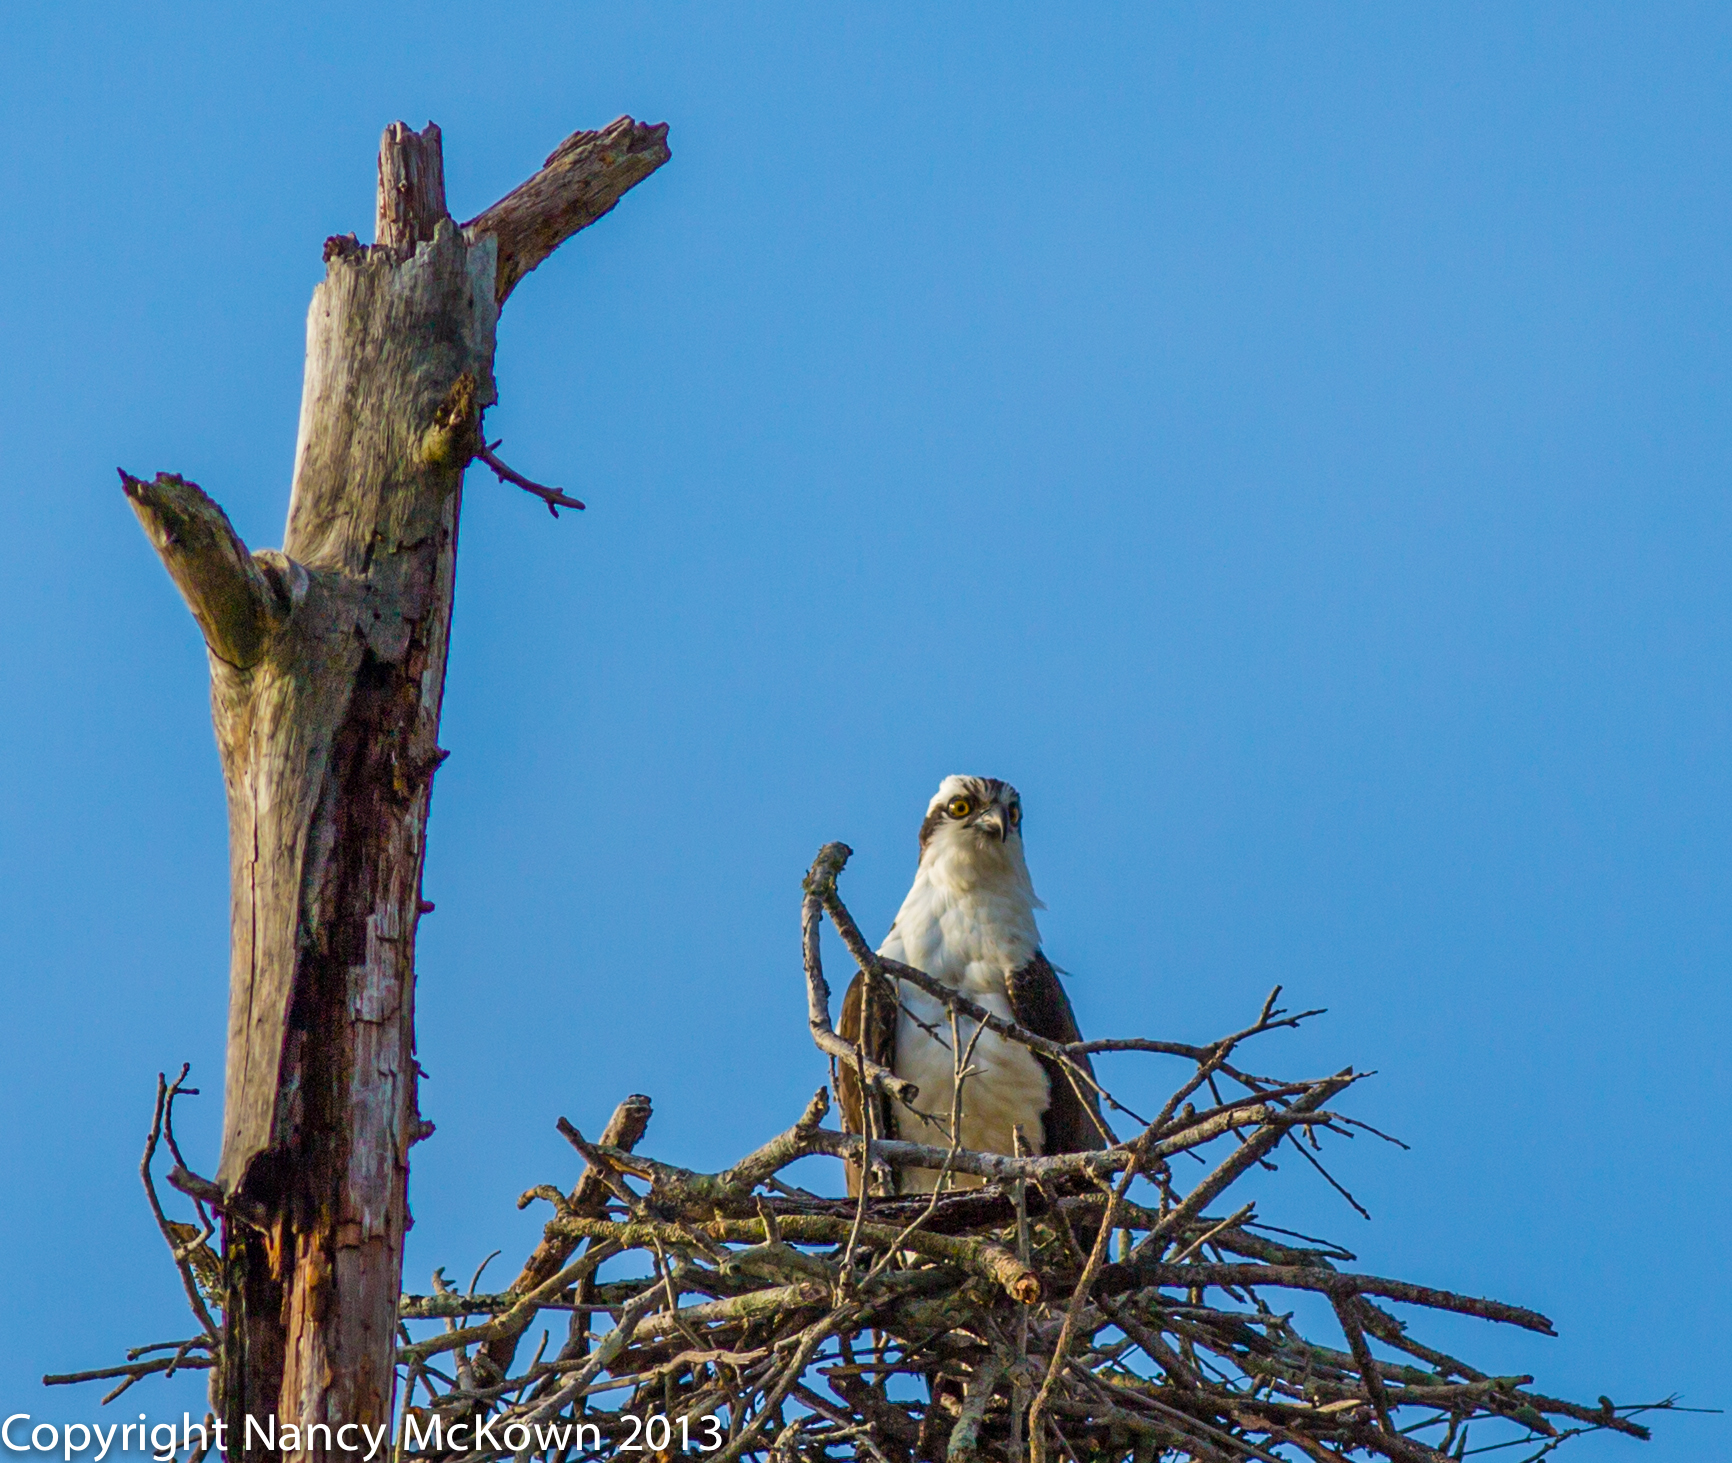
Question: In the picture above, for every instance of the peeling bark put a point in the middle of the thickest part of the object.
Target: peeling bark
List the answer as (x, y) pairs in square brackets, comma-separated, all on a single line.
[(327, 675)]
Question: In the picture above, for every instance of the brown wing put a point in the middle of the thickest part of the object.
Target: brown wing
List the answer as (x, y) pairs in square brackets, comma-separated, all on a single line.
[(1072, 1122), (878, 1022)]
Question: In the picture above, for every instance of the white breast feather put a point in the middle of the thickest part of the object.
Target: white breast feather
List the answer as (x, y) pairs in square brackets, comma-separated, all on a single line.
[(970, 927)]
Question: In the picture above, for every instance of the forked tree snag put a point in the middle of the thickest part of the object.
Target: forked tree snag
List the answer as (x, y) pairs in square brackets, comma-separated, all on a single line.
[(327, 674)]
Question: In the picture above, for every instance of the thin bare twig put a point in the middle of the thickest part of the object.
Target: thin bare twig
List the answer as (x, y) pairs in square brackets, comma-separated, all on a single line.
[(554, 499)]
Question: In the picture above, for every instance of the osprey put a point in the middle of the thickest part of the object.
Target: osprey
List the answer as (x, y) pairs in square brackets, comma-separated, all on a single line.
[(968, 921)]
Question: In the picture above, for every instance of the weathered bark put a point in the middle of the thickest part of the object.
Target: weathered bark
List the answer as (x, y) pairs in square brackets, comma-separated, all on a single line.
[(327, 674)]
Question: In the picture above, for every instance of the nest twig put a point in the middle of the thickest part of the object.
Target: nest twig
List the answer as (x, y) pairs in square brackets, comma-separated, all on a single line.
[(1085, 1306)]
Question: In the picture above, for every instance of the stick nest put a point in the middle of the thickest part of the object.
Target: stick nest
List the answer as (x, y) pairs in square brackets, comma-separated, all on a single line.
[(1114, 1305)]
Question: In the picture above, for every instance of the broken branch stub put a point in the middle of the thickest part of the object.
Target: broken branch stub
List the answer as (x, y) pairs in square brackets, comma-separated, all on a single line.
[(327, 676)]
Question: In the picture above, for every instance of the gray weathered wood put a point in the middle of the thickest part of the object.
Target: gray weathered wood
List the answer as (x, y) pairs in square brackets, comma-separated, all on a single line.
[(581, 180), (327, 676)]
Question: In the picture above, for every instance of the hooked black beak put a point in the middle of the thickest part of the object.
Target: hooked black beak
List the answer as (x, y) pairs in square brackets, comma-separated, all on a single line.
[(995, 821)]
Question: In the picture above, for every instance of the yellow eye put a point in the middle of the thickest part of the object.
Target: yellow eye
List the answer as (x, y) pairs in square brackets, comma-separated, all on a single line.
[(959, 807), (1015, 814)]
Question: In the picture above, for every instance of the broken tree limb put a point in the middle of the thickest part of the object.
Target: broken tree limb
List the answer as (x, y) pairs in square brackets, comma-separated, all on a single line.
[(238, 599), (624, 1130), (582, 179)]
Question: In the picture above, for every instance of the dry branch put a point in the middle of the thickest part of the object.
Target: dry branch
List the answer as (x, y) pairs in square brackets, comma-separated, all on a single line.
[(581, 181)]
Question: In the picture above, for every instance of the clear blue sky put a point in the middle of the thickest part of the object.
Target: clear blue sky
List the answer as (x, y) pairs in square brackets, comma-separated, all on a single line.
[(1290, 443)]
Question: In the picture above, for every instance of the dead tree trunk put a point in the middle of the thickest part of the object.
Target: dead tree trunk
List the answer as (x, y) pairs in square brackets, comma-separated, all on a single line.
[(327, 672)]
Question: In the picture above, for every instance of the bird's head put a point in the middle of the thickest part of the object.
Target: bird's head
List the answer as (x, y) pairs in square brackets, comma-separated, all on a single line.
[(973, 807), (973, 832)]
